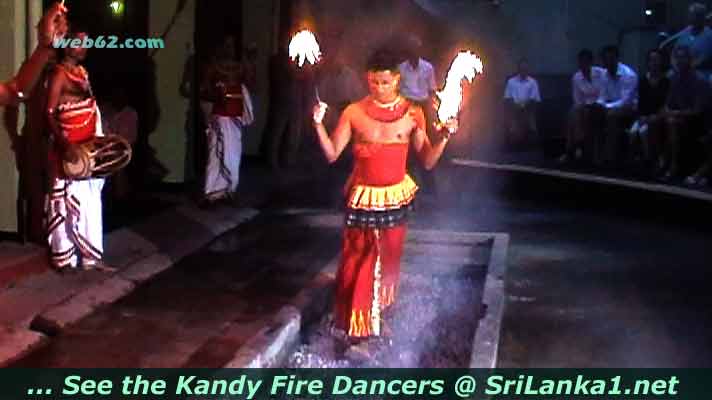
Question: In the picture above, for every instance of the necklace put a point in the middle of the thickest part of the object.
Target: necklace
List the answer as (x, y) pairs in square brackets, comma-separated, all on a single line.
[(392, 105), (387, 113), (78, 75)]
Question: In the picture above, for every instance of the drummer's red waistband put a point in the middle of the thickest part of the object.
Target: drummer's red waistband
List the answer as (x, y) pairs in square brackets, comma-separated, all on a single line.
[(88, 103), (78, 119)]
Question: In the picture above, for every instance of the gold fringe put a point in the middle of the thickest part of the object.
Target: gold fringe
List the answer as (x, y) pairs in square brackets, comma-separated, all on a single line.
[(388, 295), (375, 198), (358, 326)]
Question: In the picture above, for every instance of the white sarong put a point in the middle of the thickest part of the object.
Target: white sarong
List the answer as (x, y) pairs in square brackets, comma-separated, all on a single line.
[(225, 151), (74, 219), (75, 224)]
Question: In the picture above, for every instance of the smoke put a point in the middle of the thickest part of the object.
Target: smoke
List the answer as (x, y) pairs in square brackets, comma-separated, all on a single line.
[(352, 30), (437, 310), (433, 325)]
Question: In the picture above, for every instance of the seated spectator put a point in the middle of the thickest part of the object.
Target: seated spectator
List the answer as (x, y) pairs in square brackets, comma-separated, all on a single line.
[(653, 89), (683, 110), (586, 87), (521, 98), (619, 98)]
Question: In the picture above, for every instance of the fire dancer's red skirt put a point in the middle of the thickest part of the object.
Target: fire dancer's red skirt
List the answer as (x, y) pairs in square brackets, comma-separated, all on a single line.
[(367, 280)]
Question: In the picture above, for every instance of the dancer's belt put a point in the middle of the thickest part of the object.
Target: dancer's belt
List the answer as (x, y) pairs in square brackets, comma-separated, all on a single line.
[(382, 198)]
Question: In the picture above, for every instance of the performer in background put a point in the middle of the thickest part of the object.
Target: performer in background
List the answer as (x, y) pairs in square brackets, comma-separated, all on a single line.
[(30, 145), (74, 209), (418, 86), (53, 25), (231, 112), (379, 192)]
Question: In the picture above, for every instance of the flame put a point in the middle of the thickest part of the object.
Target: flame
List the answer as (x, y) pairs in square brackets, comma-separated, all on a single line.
[(305, 48), (465, 66)]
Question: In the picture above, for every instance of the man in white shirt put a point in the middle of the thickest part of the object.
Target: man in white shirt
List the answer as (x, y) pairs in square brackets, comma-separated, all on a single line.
[(619, 96), (417, 76), (521, 97), (586, 85), (417, 84)]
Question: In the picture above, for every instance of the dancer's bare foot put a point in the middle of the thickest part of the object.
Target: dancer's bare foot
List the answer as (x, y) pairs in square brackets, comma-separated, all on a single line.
[(359, 350), (99, 266)]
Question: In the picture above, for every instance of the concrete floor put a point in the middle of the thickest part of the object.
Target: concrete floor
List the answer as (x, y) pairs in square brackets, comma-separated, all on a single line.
[(597, 277), (197, 313), (592, 281)]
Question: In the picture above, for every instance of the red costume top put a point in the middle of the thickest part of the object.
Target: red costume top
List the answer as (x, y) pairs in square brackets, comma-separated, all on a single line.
[(231, 105), (78, 120), (380, 193), (227, 73), (379, 181)]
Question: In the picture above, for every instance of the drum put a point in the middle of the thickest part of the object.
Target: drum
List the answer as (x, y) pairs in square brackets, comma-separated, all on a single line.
[(98, 157)]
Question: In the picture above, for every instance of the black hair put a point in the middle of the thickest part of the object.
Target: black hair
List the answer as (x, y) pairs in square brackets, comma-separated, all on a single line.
[(682, 48), (383, 60), (612, 49), (653, 51), (72, 33), (585, 54), (76, 29)]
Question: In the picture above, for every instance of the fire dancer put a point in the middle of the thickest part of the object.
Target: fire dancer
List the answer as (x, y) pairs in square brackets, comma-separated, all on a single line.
[(74, 209), (379, 193), (231, 112)]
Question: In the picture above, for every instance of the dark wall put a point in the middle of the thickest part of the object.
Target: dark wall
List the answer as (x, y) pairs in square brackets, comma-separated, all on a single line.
[(132, 69), (213, 20), (108, 67)]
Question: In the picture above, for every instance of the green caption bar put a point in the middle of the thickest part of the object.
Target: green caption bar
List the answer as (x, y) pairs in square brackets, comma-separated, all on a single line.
[(351, 383)]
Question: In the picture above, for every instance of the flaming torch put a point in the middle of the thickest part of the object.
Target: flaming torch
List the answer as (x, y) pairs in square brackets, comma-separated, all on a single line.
[(465, 66), (304, 47)]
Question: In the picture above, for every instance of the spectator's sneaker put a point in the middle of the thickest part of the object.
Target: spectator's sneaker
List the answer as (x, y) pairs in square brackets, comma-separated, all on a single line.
[(696, 181), (634, 129), (643, 129), (578, 154), (668, 176)]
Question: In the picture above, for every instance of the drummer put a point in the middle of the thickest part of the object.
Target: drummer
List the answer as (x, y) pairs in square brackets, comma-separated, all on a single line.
[(74, 212)]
